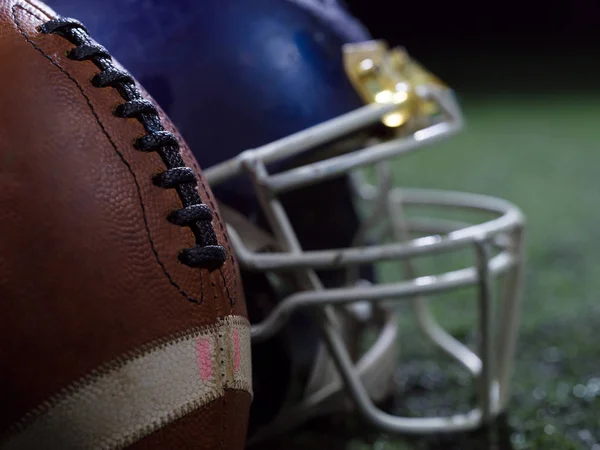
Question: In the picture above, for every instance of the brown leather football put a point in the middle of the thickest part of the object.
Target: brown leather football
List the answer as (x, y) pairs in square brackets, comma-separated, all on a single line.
[(122, 320)]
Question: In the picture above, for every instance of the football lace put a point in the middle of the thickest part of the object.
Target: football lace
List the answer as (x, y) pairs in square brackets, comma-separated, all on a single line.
[(207, 253)]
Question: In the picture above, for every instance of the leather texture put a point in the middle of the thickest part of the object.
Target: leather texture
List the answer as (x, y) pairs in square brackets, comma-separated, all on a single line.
[(88, 261)]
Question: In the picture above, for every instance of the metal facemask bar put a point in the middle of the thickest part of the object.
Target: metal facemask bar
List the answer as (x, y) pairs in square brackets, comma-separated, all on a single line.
[(491, 365), (419, 95)]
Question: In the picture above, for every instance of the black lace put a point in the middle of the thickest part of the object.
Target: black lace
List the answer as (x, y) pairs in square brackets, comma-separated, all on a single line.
[(194, 214)]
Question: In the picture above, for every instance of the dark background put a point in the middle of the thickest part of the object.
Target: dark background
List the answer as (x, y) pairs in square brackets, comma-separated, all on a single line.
[(495, 48)]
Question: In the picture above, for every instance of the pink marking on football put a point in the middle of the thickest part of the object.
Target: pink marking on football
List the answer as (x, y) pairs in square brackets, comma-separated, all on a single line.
[(236, 349), (203, 353)]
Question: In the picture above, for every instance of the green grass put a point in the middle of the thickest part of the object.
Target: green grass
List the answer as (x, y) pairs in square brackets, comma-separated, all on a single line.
[(543, 154), (545, 157)]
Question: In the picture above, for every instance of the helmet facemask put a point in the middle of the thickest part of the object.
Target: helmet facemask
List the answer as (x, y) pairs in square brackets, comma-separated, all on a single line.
[(416, 110)]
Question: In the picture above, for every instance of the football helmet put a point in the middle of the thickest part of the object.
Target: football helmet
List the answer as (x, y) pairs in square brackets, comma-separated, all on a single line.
[(296, 115)]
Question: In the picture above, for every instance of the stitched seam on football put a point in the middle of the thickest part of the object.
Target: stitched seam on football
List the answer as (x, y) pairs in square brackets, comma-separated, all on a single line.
[(207, 253)]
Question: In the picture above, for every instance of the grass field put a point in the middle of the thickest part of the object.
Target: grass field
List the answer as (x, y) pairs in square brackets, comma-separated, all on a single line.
[(543, 155)]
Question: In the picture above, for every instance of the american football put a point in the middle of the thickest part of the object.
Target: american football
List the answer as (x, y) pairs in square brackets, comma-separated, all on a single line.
[(123, 319)]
